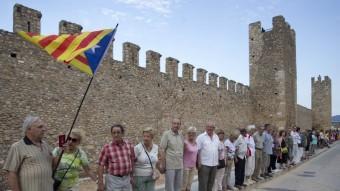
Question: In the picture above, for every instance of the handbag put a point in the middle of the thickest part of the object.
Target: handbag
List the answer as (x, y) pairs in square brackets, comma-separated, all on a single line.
[(248, 154), (284, 150), (221, 164), (155, 172), (57, 182)]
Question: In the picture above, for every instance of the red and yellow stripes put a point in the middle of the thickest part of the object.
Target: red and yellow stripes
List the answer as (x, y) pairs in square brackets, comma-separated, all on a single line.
[(68, 48)]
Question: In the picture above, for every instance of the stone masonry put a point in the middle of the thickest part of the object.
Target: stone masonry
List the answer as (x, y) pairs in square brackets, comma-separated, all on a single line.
[(321, 102), (123, 92), (272, 65)]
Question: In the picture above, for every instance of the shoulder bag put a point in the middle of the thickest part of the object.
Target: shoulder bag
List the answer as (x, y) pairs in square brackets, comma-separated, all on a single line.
[(155, 172)]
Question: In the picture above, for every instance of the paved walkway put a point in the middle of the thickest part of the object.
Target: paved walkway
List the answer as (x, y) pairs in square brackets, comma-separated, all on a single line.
[(321, 173)]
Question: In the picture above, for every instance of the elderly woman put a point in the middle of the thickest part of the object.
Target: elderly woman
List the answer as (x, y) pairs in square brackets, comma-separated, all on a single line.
[(73, 160), (230, 155), (189, 158), (145, 173), (221, 162)]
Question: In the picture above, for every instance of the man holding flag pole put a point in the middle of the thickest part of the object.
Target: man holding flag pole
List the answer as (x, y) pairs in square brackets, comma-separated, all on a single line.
[(84, 51)]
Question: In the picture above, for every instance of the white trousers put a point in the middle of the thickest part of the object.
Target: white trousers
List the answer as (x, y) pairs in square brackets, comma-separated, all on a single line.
[(250, 165), (218, 179), (296, 154)]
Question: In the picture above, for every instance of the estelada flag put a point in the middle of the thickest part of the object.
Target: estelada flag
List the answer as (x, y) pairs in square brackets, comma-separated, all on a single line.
[(84, 51)]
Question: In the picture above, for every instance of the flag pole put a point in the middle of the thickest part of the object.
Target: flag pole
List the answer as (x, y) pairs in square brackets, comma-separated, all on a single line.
[(82, 100)]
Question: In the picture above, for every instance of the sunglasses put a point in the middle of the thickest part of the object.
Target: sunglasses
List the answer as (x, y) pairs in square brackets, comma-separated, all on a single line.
[(74, 140)]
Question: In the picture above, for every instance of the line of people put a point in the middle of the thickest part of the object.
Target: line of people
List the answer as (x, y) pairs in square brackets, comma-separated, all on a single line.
[(254, 152)]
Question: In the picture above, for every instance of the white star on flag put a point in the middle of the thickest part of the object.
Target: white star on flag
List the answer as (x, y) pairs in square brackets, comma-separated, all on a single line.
[(93, 49)]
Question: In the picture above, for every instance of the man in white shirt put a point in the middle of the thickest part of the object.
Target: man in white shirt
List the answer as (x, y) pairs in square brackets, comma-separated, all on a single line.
[(240, 159), (250, 161), (207, 144), (296, 141)]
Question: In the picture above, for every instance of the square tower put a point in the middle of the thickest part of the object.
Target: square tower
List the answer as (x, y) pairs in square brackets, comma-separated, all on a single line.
[(321, 103), (272, 68)]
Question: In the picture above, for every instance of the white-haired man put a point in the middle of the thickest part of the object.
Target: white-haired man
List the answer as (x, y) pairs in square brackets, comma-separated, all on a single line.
[(29, 161), (250, 160), (207, 144)]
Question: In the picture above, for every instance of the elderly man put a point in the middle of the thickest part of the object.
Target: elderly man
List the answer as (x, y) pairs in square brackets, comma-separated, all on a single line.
[(171, 150), (240, 159), (29, 161), (259, 165), (250, 161), (207, 144), (117, 158), (268, 145), (296, 142)]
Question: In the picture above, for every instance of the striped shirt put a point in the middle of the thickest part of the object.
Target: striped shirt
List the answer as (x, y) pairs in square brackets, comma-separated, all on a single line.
[(32, 164), (118, 158)]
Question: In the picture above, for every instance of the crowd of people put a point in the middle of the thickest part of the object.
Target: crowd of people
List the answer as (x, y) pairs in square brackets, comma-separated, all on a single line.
[(253, 153)]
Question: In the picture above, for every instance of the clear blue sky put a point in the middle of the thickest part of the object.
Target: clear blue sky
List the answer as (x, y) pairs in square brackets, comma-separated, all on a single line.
[(207, 34)]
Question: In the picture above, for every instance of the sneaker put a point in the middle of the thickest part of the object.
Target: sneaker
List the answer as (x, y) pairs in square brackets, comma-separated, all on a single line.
[(269, 175), (232, 188), (260, 177), (238, 187)]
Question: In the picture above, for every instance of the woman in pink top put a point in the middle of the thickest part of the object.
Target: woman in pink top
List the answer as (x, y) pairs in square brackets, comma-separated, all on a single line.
[(189, 159)]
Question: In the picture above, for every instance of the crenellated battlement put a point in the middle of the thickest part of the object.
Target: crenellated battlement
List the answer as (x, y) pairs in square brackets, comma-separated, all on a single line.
[(130, 53), (278, 24), (26, 19), (188, 71), (321, 81), (153, 60), (66, 27)]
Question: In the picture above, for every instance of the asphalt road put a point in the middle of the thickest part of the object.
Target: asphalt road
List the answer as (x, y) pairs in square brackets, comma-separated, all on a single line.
[(321, 173)]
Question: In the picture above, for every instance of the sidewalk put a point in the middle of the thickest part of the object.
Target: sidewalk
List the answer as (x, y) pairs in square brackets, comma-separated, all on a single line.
[(317, 153)]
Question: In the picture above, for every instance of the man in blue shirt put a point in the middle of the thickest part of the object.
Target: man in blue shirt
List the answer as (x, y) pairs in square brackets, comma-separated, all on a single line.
[(267, 148)]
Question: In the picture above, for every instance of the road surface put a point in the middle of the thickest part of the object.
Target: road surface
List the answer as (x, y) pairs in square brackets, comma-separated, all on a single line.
[(321, 173)]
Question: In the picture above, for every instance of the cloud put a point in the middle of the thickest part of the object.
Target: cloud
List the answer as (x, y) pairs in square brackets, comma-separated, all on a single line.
[(160, 6), (115, 15), (143, 19)]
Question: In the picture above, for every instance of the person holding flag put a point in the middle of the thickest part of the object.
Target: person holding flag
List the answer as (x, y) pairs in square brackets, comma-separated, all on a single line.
[(84, 51)]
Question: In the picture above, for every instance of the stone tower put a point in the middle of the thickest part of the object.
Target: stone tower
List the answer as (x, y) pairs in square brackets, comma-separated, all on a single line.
[(321, 103), (66, 27), (272, 67), (26, 19)]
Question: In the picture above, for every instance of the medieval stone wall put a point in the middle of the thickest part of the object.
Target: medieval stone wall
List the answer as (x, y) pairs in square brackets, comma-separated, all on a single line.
[(122, 92), (31, 82), (303, 117)]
